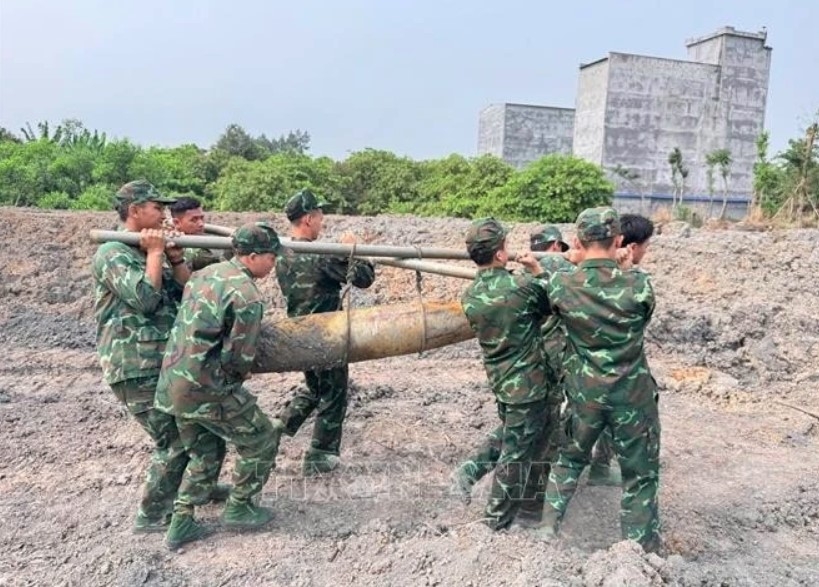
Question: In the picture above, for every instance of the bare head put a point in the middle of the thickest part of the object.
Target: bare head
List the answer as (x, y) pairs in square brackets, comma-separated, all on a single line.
[(188, 215), (637, 232)]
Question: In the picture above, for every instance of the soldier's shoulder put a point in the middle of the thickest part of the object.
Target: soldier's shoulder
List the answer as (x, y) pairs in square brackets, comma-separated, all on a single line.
[(556, 262), (112, 252), (637, 275)]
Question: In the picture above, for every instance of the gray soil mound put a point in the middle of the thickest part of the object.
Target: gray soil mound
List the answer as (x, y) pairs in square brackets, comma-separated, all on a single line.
[(736, 332)]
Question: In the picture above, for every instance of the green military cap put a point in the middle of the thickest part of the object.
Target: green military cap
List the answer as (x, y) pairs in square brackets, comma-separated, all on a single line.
[(596, 224), (300, 204), (139, 192), (549, 233), (485, 235), (256, 237)]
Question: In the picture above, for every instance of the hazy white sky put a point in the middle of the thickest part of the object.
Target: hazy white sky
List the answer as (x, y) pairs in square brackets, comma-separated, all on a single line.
[(409, 76)]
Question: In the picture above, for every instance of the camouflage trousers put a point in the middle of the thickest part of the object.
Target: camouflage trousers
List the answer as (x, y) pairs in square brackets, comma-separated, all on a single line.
[(256, 442), (518, 443), (486, 457), (636, 442), (603, 451), (326, 395), (168, 459)]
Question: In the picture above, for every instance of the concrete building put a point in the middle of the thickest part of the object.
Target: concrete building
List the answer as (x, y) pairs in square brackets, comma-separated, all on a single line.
[(522, 133), (632, 110)]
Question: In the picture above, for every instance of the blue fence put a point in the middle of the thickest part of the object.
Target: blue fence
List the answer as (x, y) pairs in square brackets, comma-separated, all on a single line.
[(701, 204)]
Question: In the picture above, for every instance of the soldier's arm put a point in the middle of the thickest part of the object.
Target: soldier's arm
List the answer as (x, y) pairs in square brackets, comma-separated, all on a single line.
[(644, 292), (536, 289), (555, 262), (200, 258), (361, 272), (134, 284), (239, 348)]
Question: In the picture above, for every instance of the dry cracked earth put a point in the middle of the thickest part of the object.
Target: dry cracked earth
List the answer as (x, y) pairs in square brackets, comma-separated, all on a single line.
[(735, 338)]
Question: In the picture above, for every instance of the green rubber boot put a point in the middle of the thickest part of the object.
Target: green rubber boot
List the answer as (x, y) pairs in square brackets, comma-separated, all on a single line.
[(183, 529), (317, 463), (243, 514), (146, 525), (462, 483)]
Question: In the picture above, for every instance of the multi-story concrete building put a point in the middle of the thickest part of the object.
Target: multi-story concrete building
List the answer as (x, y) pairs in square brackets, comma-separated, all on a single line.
[(522, 133), (632, 110)]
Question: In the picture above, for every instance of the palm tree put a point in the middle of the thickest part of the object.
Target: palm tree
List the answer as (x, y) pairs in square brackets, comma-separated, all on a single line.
[(679, 173), (721, 158)]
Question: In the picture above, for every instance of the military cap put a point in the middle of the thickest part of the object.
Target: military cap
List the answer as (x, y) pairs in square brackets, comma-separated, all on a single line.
[(300, 204), (256, 237), (548, 234), (485, 235), (596, 224), (139, 192)]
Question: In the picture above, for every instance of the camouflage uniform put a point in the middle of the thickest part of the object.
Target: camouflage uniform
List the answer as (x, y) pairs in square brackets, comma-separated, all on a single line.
[(312, 285), (505, 311), (605, 311), (200, 258), (210, 353), (134, 320), (553, 343)]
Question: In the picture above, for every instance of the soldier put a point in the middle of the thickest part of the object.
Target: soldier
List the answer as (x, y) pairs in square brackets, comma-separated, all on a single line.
[(636, 231), (506, 311), (312, 284), (189, 218), (547, 239), (209, 356), (605, 311), (137, 292)]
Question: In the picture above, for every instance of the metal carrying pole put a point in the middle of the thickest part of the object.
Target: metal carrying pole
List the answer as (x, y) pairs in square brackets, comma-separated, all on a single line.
[(222, 242), (412, 258)]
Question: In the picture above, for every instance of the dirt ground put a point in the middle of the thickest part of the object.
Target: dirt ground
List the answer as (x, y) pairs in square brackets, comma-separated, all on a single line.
[(736, 331)]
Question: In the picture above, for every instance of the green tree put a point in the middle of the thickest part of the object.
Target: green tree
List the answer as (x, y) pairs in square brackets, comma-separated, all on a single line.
[(113, 164), (722, 159), (55, 201), (26, 172), (8, 136), (800, 164), (768, 178), (267, 185), (296, 141), (374, 181), (237, 142), (97, 197), (175, 170), (556, 188), (456, 186)]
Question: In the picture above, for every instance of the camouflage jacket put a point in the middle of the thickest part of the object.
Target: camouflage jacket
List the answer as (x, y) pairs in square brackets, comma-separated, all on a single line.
[(506, 311), (605, 311), (200, 258), (134, 319), (312, 283), (553, 332), (212, 345)]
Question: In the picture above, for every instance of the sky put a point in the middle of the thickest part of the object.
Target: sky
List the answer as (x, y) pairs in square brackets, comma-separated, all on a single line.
[(409, 76)]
